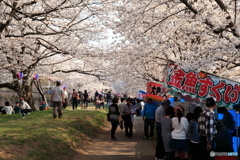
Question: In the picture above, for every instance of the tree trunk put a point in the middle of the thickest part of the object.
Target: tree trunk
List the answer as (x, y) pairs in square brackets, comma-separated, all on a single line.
[(26, 91), (22, 89), (38, 85)]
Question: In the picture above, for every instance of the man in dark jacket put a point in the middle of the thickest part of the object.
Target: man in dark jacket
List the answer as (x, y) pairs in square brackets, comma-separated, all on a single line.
[(114, 113)]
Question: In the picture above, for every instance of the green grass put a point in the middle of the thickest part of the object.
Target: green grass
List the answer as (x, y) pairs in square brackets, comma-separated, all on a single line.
[(40, 137)]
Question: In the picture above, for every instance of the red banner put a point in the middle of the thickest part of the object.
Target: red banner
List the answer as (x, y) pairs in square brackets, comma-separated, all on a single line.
[(201, 85), (155, 91)]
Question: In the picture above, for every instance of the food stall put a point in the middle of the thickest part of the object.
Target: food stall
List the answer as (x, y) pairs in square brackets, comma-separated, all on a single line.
[(195, 87)]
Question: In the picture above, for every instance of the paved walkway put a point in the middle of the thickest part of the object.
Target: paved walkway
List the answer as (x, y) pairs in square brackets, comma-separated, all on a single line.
[(102, 148)]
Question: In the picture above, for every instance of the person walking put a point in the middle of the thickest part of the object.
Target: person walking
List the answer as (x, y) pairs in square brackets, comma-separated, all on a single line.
[(85, 99), (114, 110), (101, 101), (207, 129), (65, 95), (159, 114), (57, 98), (128, 111), (121, 105), (108, 98), (149, 118), (74, 99), (96, 95)]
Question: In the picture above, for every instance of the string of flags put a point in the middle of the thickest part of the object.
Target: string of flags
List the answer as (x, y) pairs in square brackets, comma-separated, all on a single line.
[(20, 76), (35, 77)]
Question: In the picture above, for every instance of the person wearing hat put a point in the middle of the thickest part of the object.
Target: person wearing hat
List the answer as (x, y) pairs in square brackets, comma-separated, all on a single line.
[(128, 111), (207, 129), (159, 115)]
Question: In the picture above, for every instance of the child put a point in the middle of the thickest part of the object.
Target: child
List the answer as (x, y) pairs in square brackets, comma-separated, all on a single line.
[(43, 106), (17, 108), (180, 127)]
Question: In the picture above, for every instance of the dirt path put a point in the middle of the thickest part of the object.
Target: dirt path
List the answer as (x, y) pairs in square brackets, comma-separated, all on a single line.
[(102, 148)]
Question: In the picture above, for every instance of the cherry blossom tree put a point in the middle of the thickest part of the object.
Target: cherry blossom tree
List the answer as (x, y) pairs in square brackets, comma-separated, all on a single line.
[(197, 34), (60, 37), (36, 32)]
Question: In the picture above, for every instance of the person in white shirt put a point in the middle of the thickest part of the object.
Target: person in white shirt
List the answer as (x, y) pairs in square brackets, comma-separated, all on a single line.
[(180, 128), (65, 96), (24, 106), (57, 98), (7, 109), (121, 105), (142, 105), (138, 107)]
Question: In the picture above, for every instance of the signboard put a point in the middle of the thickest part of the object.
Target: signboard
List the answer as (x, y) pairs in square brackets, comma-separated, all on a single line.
[(155, 91), (198, 86), (141, 95)]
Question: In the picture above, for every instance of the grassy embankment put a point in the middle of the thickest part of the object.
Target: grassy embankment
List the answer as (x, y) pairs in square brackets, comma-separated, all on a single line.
[(40, 137)]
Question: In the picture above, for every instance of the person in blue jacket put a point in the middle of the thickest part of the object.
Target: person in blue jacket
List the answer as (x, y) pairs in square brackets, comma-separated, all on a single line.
[(149, 118)]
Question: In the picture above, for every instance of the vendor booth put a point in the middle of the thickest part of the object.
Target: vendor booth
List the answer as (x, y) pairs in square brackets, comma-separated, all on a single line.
[(190, 89), (194, 87)]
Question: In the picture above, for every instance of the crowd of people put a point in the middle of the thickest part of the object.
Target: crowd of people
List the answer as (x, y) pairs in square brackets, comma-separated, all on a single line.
[(82, 99), (21, 107), (59, 100), (180, 135)]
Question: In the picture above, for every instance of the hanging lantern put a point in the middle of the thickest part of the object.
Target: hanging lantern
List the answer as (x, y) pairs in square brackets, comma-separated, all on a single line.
[(20, 76), (64, 85), (35, 77)]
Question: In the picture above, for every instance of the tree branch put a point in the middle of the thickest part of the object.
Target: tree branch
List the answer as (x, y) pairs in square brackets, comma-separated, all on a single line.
[(221, 5), (189, 6), (164, 20), (8, 85), (90, 73)]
